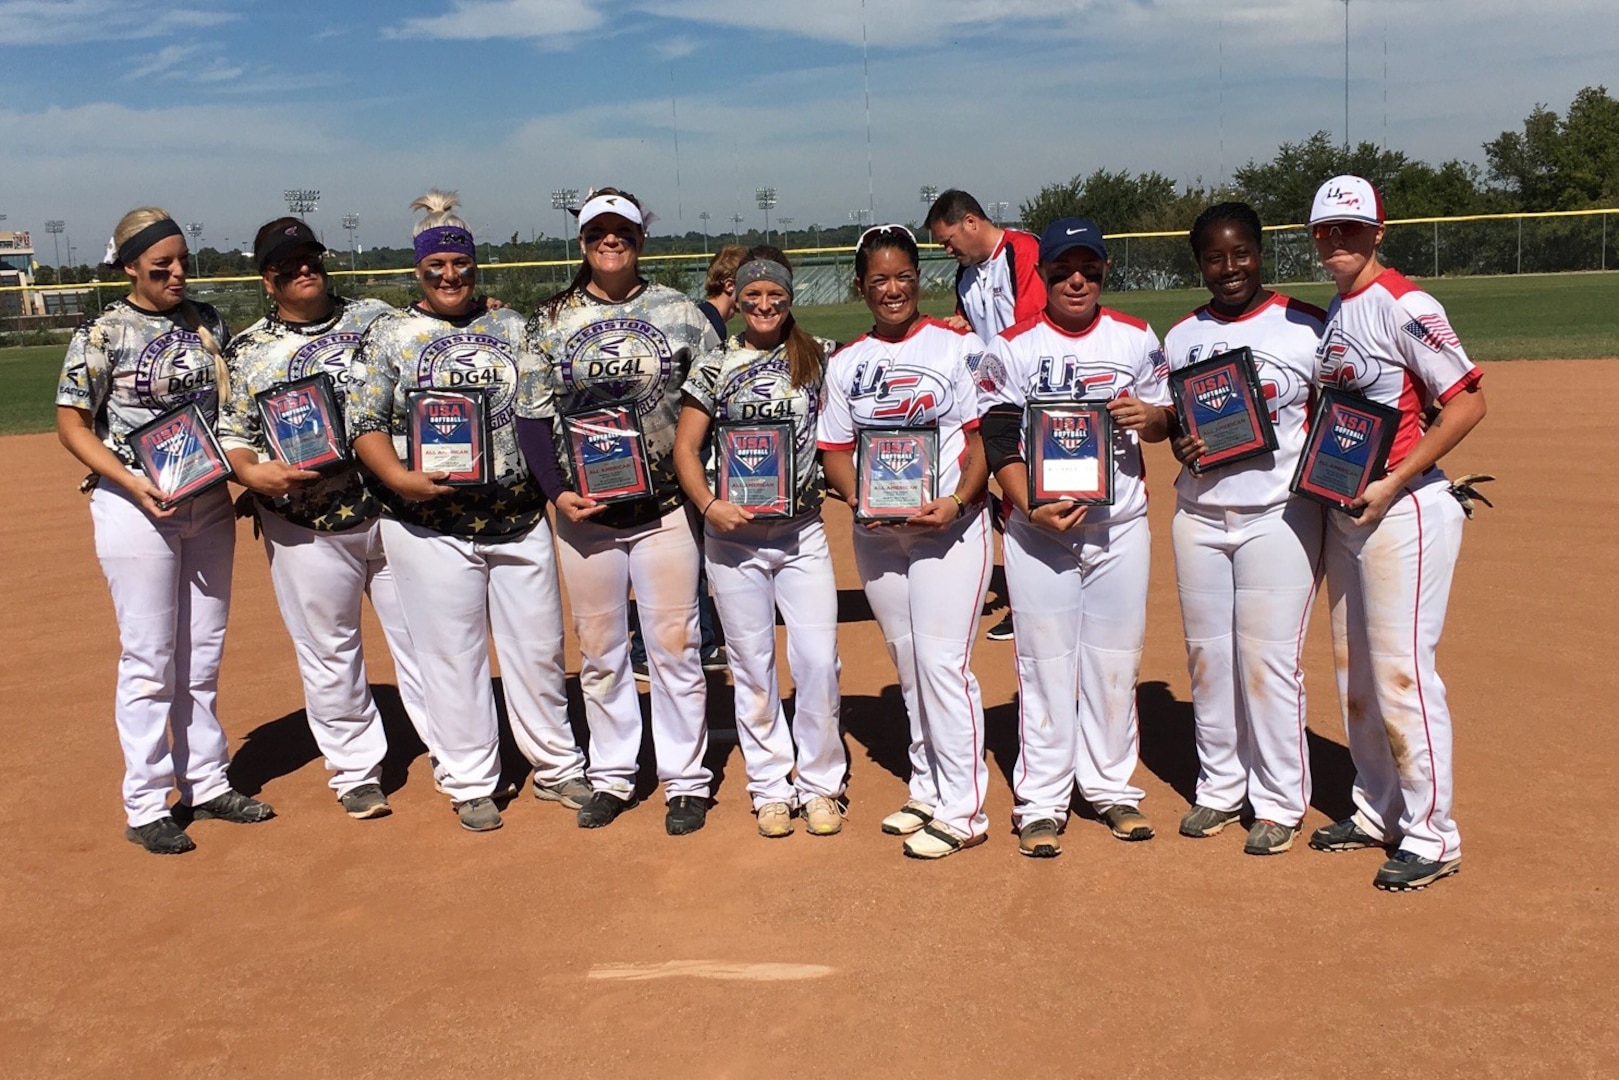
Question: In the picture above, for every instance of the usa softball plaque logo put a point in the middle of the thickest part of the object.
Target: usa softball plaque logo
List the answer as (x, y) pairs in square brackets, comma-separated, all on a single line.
[(756, 466), (1071, 432), (896, 472), (1220, 401), (1348, 448)]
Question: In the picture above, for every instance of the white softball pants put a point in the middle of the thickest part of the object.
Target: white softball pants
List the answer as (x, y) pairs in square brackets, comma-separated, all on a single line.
[(926, 588), (1389, 587), (1079, 619), (170, 580), (660, 560), (319, 578), (754, 570), (454, 592), (1247, 580)]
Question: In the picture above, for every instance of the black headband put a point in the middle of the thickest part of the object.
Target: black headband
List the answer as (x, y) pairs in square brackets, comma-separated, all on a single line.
[(136, 245)]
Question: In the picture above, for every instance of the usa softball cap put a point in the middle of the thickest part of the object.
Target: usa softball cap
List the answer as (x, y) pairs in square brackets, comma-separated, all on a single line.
[(597, 205), (1071, 232), (1347, 198)]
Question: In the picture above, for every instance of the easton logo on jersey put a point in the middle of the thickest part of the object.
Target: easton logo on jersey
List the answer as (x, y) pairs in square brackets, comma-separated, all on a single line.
[(1351, 431), (619, 360)]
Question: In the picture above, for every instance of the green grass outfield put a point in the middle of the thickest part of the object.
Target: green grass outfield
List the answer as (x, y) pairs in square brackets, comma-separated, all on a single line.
[(1534, 317)]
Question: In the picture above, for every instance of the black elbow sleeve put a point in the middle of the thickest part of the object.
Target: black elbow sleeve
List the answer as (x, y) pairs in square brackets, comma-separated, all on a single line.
[(1002, 429)]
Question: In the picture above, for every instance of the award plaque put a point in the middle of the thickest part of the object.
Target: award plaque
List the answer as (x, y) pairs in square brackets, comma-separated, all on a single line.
[(608, 454), (1219, 400), (1069, 449), (302, 423), (180, 454), (896, 472), (754, 464), (449, 433), (1348, 447)]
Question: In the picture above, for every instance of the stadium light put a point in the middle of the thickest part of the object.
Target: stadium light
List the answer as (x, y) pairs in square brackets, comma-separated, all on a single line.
[(194, 228), (928, 193), (301, 201), (704, 217), (54, 227), (784, 222), (564, 199), (736, 227), (351, 222), (766, 198)]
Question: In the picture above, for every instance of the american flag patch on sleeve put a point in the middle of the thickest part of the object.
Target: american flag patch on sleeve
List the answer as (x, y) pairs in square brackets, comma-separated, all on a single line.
[(1433, 331)]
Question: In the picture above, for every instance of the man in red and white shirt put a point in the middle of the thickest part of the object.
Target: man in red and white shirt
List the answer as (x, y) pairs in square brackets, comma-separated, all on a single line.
[(997, 286)]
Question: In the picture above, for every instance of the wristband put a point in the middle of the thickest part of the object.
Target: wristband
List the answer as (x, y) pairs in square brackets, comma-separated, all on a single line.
[(961, 505)]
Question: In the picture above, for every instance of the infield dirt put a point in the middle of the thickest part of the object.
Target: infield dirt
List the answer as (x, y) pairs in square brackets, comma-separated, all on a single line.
[(405, 947)]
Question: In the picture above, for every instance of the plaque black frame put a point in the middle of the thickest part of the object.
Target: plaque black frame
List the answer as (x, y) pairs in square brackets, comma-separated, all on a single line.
[(478, 402), (143, 439), (324, 389), (1244, 388), (1377, 439), (623, 419), (865, 438), (1034, 414), (786, 434)]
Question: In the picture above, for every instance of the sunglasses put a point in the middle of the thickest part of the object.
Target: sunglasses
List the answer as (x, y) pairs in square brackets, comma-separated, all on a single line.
[(1326, 229), (1057, 277), (291, 271), (877, 230)]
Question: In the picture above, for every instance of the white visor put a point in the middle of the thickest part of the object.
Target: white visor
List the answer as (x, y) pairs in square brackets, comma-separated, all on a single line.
[(598, 205)]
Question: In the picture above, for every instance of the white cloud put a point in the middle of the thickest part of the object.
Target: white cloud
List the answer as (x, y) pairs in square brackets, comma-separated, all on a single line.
[(165, 61), (475, 20), (66, 22), (675, 48)]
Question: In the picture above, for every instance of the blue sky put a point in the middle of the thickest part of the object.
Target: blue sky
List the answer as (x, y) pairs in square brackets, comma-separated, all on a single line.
[(211, 108)]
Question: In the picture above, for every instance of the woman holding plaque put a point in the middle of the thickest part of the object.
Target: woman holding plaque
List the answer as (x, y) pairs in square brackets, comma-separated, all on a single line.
[(1247, 552), (281, 425), (758, 396), (899, 439), (465, 533), (1067, 399), (601, 397), (1389, 561), (146, 357)]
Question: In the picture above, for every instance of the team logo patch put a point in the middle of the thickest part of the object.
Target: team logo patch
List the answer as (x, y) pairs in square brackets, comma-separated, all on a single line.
[(991, 374), (472, 361), (173, 369), (1351, 431), (896, 454), (619, 360), (329, 353), (1433, 331)]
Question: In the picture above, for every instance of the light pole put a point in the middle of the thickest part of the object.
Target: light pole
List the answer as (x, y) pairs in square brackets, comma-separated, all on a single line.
[(563, 199), (816, 229), (736, 227), (927, 193), (1346, 77), (766, 198), (351, 222), (704, 217), (997, 211), (54, 227), (195, 230), (860, 216), (784, 222), (301, 201)]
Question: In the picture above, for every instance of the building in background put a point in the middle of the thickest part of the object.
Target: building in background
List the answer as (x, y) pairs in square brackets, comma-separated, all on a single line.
[(17, 273)]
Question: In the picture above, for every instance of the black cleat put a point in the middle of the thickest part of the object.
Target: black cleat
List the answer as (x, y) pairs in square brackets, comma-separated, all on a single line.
[(1407, 872), (602, 809), (234, 807), (686, 814), (160, 837)]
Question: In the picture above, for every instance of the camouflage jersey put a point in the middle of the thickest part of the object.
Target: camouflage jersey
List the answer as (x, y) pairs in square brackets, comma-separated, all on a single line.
[(128, 366), (273, 351), (737, 382), (595, 352), (411, 349)]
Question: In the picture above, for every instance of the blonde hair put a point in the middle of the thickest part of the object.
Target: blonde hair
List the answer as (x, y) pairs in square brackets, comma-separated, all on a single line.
[(438, 205), (132, 223)]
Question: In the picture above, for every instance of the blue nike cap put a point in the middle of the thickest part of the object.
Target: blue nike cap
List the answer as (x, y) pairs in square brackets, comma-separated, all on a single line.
[(1071, 232)]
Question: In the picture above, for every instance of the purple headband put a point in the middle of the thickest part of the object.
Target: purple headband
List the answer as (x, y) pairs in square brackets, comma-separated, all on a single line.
[(445, 238)]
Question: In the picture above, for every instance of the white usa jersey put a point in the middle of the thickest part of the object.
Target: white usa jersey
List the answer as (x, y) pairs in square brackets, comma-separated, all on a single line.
[(923, 380), (1391, 342), (1116, 356), (1283, 334)]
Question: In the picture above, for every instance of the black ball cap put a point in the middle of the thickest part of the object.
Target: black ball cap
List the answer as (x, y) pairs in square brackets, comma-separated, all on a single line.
[(269, 251)]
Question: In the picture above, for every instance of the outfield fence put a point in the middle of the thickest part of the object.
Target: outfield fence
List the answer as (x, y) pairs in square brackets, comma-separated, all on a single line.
[(1475, 245)]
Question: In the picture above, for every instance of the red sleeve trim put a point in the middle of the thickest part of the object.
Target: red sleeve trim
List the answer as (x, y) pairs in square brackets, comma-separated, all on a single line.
[(970, 425), (1022, 327), (1466, 382), (834, 446), (1119, 316)]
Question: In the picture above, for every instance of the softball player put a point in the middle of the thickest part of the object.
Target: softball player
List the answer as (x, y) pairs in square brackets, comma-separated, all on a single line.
[(169, 571), (1247, 553), (772, 371), (467, 559), (1389, 569), (925, 578), (613, 337), (323, 535), (1077, 574)]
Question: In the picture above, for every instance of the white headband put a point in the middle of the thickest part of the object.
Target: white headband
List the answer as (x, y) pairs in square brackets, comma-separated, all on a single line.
[(598, 205)]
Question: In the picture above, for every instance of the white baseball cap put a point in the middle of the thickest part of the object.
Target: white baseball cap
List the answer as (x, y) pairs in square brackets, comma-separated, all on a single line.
[(1347, 198), (597, 205)]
